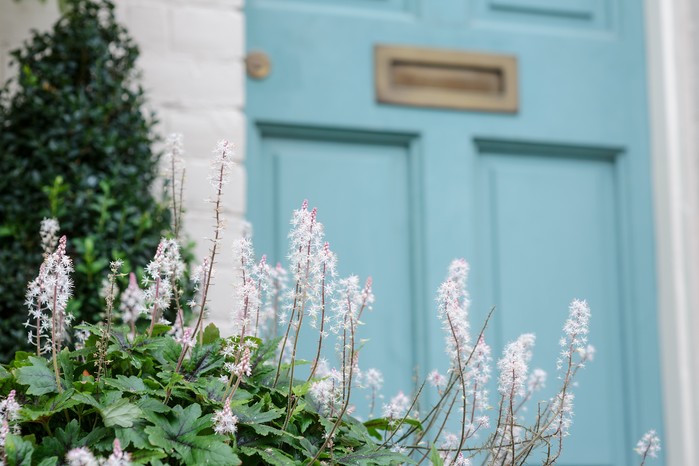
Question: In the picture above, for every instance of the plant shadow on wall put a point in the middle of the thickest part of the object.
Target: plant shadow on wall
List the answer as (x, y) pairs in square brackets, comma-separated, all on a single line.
[(151, 392), (75, 145)]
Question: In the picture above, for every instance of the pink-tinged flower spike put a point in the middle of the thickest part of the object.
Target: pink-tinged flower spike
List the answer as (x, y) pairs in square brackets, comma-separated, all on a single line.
[(575, 332), (174, 166), (478, 376), (47, 299), (437, 380), (247, 296), (327, 393), (118, 457), (132, 303), (164, 270), (81, 457), (397, 408), (453, 303), (649, 445), (373, 380), (225, 422), (514, 366), (222, 165), (49, 235)]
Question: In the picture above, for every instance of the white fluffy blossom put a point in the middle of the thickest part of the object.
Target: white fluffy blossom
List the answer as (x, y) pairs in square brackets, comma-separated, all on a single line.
[(225, 422), (398, 407), (649, 445), (49, 235), (222, 165), (436, 379), (132, 301), (514, 365), (453, 301), (47, 298), (81, 457), (118, 457), (166, 267)]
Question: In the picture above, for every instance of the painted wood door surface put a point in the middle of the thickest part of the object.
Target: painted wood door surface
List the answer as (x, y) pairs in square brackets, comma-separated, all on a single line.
[(548, 203)]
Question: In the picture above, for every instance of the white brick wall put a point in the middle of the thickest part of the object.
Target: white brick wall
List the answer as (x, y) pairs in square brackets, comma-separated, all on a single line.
[(192, 54)]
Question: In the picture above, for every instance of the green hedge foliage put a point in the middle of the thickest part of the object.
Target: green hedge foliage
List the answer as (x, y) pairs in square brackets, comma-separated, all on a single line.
[(75, 144)]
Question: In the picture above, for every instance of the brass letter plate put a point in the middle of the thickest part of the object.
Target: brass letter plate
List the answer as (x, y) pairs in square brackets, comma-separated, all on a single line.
[(446, 79)]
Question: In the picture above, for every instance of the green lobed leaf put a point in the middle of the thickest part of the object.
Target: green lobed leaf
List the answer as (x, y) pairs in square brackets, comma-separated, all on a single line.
[(211, 334), (204, 359), (269, 455), (120, 413), (18, 452), (368, 457), (180, 434), (130, 384), (38, 376), (52, 461)]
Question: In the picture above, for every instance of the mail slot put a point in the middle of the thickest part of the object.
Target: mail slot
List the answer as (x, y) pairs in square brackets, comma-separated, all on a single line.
[(446, 78)]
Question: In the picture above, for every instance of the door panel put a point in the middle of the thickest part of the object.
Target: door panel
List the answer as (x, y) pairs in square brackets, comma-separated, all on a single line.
[(362, 185), (563, 205), (548, 204)]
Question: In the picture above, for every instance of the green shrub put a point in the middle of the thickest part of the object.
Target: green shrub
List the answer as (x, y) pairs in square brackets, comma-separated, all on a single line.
[(75, 144)]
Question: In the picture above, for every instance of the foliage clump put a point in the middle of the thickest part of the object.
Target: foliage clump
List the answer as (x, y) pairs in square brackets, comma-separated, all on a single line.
[(159, 393), (75, 145)]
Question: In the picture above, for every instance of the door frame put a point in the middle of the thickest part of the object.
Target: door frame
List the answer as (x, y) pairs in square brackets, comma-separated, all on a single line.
[(673, 73)]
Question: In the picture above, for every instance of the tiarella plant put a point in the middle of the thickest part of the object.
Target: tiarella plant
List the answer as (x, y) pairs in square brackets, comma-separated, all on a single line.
[(136, 389)]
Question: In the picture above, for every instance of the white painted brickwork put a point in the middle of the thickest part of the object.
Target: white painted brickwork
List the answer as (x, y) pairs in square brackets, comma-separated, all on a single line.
[(192, 55)]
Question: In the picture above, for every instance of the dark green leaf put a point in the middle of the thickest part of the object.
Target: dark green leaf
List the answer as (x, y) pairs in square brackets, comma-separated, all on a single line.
[(38, 376), (211, 334), (18, 451), (130, 384), (181, 434), (120, 413)]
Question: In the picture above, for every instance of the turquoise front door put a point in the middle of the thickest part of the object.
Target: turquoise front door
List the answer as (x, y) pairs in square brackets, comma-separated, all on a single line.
[(548, 200)]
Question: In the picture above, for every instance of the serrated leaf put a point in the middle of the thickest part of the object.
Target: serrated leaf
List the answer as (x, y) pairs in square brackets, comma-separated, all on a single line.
[(58, 403), (211, 334), (179, 434), (256, 414), (374, 458), (18, 452), (270, 456), (204, 359), (38, 376), (120, 413), (53, 461), (130, 384)]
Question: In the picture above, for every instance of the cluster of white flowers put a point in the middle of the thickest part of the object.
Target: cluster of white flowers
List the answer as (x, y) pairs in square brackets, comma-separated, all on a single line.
[(514, 366), (398, 407), (83, 457), (437, 380), (132, 301), (49, 235), (222, 165), (327, 392), (450, 441), (47, 298), (478, 376), (253, 277), (312, 265), (173, 157), (453, 301), (166, 267), (225, 422), (649, 445), (576, 329), (9, 413)]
